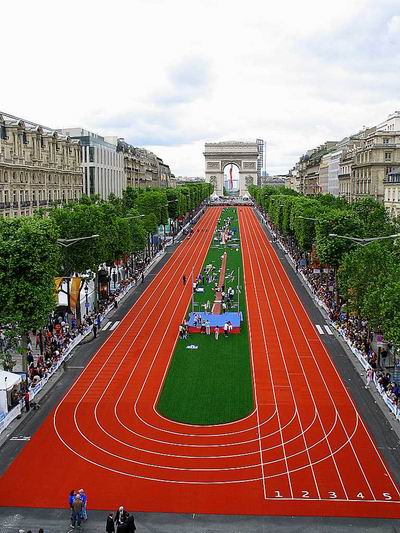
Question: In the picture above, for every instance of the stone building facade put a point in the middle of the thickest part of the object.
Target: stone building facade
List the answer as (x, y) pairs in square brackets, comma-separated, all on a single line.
[(243, 155), (354, 168), (377, 156), (39, 167), (143, 168)]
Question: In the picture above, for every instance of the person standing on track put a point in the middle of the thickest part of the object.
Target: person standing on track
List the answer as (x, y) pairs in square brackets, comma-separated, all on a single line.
[(76, 512), (216, 332), (184, 280)]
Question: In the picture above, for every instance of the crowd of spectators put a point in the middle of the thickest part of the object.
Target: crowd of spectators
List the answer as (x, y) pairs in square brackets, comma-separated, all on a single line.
[(46, 347)]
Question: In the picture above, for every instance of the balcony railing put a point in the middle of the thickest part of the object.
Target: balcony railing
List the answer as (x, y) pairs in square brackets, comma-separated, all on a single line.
[(42, 202), (25, 203), (15, 205)]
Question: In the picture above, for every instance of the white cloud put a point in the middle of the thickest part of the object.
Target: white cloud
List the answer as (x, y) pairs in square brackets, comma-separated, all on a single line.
[(172, 75)]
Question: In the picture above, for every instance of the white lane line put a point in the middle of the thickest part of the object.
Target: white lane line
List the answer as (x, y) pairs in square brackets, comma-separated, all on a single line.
[(106, 326), (20, 438), (320, 330), (114, 325), (328, 330)]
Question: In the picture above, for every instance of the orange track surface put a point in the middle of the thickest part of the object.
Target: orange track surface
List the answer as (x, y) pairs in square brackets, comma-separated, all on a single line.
[(303, 451)]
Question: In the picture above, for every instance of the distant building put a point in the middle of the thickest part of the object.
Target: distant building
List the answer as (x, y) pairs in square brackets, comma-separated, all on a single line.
[(103, 165), (39, 167), (309, 168), (143, 168), (261, 145), (275, 181), (190, 179), (375, 158)]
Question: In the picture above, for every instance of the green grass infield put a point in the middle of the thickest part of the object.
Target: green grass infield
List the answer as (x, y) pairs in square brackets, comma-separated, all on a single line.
[(213, 383)]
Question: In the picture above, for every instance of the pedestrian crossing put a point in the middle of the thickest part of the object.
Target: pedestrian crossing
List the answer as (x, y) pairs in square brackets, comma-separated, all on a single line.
[(109, 325), (323, 329)]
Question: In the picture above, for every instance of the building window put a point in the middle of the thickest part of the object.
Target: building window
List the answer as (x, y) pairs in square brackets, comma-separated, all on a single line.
[(386, 141), (24, 138), (91, 181), (388, 156), (3, 132), (91, 154)]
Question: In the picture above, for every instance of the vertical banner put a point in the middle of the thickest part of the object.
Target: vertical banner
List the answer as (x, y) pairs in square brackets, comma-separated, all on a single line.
[(57, 287), (74, 294)]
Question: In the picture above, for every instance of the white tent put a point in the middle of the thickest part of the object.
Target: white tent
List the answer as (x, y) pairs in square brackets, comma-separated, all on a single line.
[(7, 381)]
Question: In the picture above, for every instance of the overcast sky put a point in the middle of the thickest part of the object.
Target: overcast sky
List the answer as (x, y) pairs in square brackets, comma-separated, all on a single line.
[(173, 74)]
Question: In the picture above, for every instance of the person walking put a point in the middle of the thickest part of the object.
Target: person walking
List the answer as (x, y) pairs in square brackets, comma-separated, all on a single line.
[(120, 516), (71, 499), (76, 512), (94, 330), (27, 400), (184, 280), (142, 277), (83, 496), (110, 528), (216, 332)]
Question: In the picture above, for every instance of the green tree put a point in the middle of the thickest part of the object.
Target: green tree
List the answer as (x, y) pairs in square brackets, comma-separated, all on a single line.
[(29, 262), (374, 216), (331, 250), (364, 269)]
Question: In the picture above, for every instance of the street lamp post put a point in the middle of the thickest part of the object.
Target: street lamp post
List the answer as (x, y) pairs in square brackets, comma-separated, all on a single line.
[(66, 243), (366, 241), (133, 216), (308, 218), (86, 289)]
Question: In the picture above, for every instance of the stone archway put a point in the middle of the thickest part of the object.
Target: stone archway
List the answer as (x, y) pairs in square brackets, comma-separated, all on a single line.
[(222, 155)]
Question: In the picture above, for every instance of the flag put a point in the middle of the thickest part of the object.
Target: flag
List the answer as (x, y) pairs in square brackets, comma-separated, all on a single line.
[(57, 287), (74, 294)]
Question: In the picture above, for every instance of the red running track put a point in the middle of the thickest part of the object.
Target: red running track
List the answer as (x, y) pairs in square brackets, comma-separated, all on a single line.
[(303, 451)]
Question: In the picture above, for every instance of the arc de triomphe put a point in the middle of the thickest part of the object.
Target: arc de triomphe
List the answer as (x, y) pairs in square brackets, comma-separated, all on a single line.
[(226, 159)]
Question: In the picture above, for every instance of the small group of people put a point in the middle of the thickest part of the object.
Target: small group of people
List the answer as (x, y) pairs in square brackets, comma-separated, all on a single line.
[(227, 329), (78, 506), (120, 522)]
